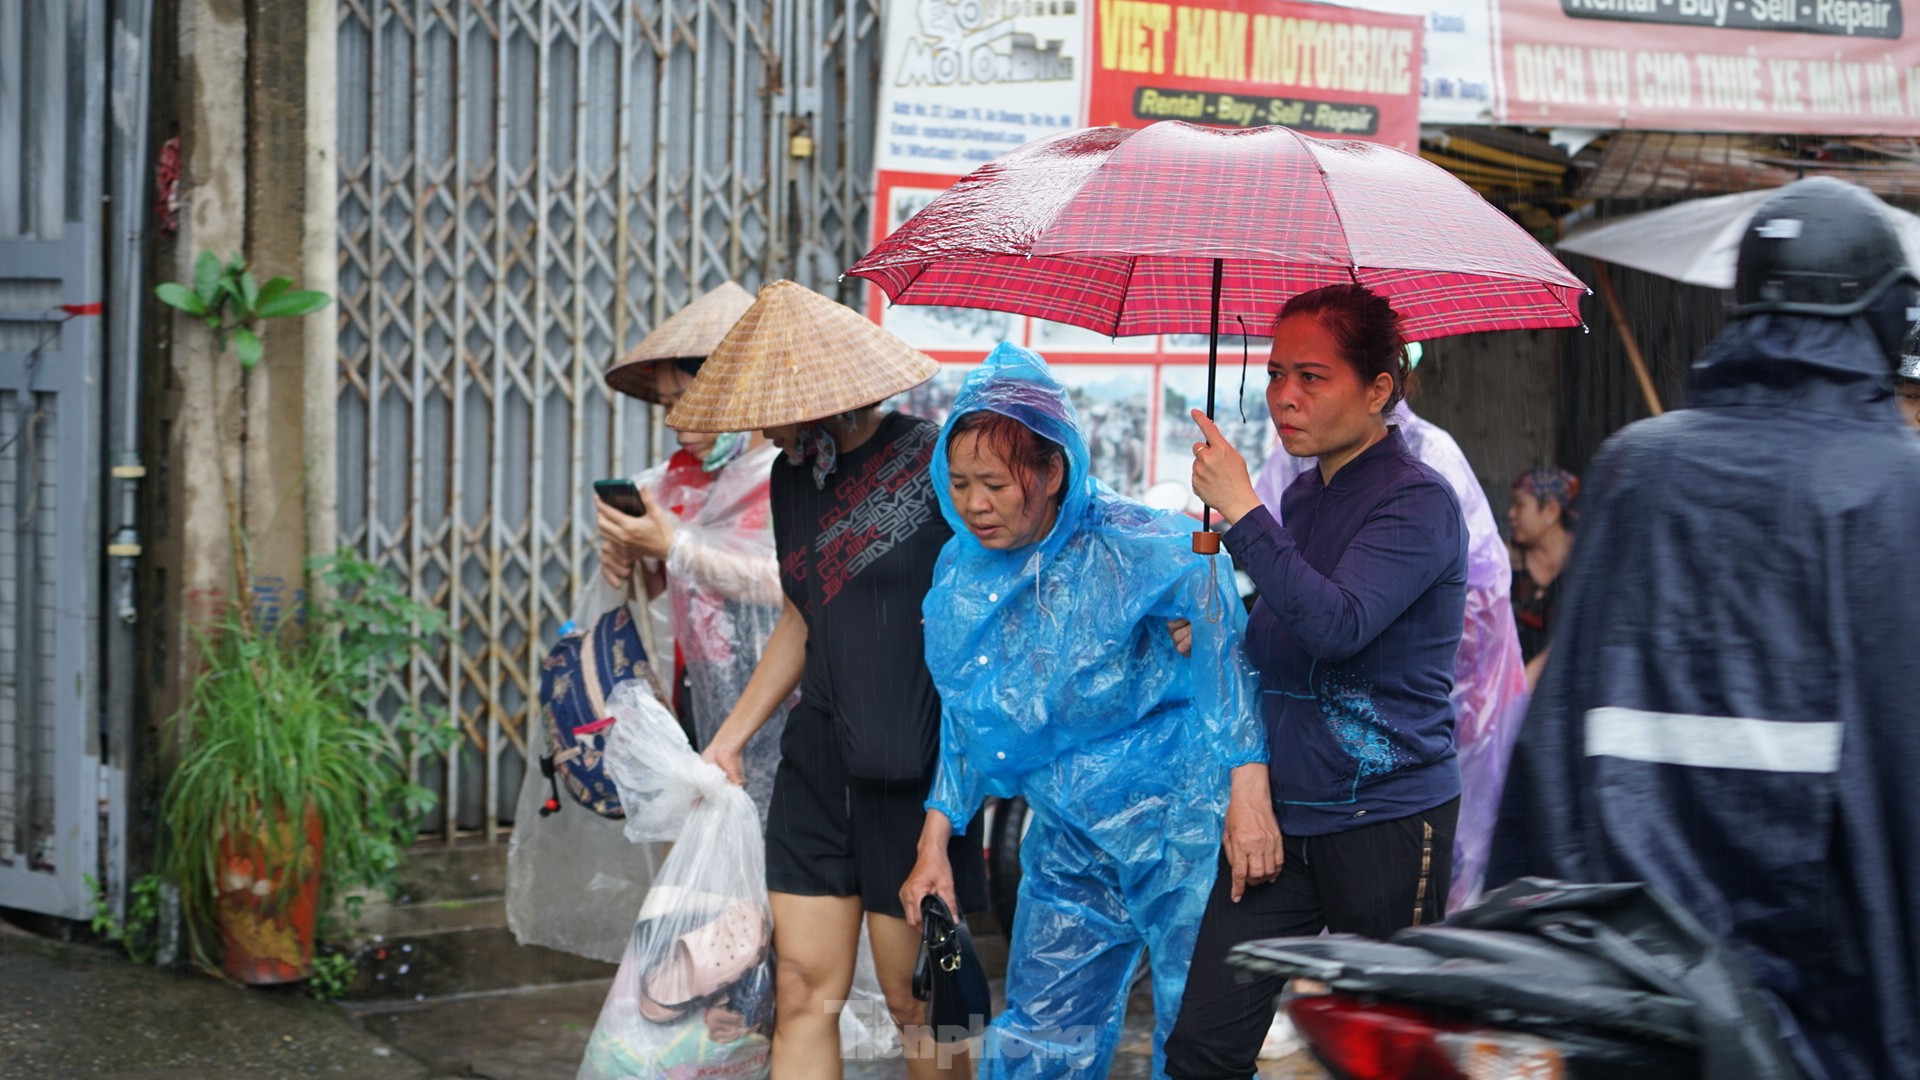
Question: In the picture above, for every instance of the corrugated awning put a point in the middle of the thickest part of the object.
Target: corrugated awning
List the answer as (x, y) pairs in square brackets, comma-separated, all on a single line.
[(1677, 165)]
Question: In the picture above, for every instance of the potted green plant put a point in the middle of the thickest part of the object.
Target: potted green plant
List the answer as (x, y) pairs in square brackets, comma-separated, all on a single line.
[(289, 792), (289, 789)]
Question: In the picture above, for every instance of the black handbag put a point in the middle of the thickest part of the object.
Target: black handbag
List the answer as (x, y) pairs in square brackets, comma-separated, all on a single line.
[(948, 976)]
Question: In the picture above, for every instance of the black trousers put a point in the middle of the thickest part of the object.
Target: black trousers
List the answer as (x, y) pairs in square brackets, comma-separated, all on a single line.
[(1369, 881)]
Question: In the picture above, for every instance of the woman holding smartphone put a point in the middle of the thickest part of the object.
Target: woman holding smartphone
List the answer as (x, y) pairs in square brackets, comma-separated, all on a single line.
[(702, 531)]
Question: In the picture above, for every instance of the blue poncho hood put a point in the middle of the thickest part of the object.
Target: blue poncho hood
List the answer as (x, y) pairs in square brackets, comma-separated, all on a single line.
[(1015, 383), (1061, 648)]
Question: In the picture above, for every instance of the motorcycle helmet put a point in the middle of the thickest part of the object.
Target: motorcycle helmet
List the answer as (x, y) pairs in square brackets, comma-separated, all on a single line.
[(1819, 247)]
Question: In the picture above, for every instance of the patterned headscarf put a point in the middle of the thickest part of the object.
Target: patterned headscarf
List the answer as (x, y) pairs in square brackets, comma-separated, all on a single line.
[(815, 442), (1548, 483)]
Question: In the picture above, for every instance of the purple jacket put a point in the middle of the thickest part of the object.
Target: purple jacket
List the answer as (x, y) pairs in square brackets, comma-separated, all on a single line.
[(1362, 599)]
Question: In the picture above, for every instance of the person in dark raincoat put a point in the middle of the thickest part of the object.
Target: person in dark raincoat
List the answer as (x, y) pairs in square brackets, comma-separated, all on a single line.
[(1730, 714)]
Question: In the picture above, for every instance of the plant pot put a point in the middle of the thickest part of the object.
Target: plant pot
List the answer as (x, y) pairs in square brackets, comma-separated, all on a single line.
[(269, 899)]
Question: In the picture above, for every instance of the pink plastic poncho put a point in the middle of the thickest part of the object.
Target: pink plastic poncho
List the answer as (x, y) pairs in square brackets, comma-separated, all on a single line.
[(1490, 679)]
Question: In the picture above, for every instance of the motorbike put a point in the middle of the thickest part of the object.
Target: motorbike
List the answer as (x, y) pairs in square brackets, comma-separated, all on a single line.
[(1541, 980)]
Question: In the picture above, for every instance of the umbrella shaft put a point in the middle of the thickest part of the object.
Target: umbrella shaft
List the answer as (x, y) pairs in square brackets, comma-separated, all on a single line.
[(1213, 336), (1213, 364)]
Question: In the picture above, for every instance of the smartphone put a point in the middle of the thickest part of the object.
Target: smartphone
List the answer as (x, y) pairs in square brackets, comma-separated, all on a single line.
[(621, 495)]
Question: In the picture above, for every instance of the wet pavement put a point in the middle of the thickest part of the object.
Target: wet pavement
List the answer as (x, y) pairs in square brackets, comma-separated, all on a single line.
[(540, 1034), (86, 1013)]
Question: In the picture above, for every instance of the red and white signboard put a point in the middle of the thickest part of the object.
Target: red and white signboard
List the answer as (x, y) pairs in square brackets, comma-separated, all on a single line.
[(1803, 66), (1330, 71)]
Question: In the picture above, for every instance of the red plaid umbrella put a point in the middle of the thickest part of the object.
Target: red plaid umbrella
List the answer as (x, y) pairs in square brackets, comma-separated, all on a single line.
[(1122, 231), (1169, 228)]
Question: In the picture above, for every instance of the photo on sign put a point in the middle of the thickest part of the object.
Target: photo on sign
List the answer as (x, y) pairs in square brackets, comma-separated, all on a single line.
[(1183, 387), (1049, 337), (929, 327), (1114, 403), (1233, 346), (933, 399)]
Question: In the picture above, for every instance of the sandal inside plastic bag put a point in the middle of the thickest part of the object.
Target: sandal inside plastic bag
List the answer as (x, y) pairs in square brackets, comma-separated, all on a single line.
[(702, 964)]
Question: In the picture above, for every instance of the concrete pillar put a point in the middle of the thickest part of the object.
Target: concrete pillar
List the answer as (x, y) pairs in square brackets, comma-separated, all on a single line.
[(252, 100)]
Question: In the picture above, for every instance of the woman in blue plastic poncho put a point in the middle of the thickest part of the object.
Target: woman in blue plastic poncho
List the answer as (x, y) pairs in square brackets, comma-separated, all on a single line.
[(1046, 633)]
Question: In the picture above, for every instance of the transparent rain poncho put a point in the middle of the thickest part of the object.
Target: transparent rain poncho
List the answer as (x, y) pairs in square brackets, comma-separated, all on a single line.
[(1060, 682), (1489, 677), (724, 582), (574, 881)]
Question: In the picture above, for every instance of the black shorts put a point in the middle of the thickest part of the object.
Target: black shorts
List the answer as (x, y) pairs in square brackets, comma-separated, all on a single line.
[(827, 836)]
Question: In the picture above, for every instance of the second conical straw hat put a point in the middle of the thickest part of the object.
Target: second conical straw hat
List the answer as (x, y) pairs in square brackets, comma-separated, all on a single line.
[(691, 333), (797, 356)]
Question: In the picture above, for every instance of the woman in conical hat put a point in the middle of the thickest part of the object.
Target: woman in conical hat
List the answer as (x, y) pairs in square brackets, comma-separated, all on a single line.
[(574, 881), (707, 535), (857, 529)]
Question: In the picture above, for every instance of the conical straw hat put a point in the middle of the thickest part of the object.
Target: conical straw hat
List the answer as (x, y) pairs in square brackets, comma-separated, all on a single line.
[(690, 333), (797, 356)]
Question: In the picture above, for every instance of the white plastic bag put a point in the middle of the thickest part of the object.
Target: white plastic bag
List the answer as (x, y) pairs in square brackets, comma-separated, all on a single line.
[(574, 880), (694, 993)]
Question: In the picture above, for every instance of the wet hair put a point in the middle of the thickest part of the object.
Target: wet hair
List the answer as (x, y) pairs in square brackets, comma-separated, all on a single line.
[(1364, 326), (1546, 484), (1028, 454), (689, 364)]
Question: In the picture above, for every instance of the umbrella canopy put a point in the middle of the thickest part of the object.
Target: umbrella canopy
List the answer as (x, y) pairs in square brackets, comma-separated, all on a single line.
[(1698, 241), (796, 356), (689, 334), (1120, 231)]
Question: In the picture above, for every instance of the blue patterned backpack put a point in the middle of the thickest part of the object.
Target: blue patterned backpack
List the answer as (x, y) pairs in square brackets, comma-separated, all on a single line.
[(577, 679)]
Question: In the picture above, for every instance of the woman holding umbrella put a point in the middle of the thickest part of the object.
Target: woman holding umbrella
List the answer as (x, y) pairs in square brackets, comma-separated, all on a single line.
[(856, 529), (1362, 600), (1046, 634)]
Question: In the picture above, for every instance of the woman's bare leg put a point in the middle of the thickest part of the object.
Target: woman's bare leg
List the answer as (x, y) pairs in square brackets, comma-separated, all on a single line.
[(896, 946), (815, 941)]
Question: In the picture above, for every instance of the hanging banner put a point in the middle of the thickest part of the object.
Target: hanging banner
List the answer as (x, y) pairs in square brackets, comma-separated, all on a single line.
[(1456, 57), (1330, 71), (1794, 66)]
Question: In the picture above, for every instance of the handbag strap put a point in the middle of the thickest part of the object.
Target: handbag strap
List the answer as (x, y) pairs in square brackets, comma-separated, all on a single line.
[(590, 672), (940, 933)]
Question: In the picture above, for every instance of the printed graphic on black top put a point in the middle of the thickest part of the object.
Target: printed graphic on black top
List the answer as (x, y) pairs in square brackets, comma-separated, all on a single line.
[(856, 557), (875, 509)]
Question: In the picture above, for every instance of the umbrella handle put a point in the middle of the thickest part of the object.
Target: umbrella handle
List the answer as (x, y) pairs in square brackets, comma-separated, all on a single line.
[(1206, 542)]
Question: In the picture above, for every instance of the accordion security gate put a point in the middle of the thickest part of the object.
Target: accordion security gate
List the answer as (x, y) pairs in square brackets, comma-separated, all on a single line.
[(527, 187)]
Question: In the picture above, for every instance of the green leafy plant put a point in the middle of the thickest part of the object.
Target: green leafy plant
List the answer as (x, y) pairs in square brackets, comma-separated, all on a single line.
[(332, 975), (227, 297), (280, 724), (138, 934)]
